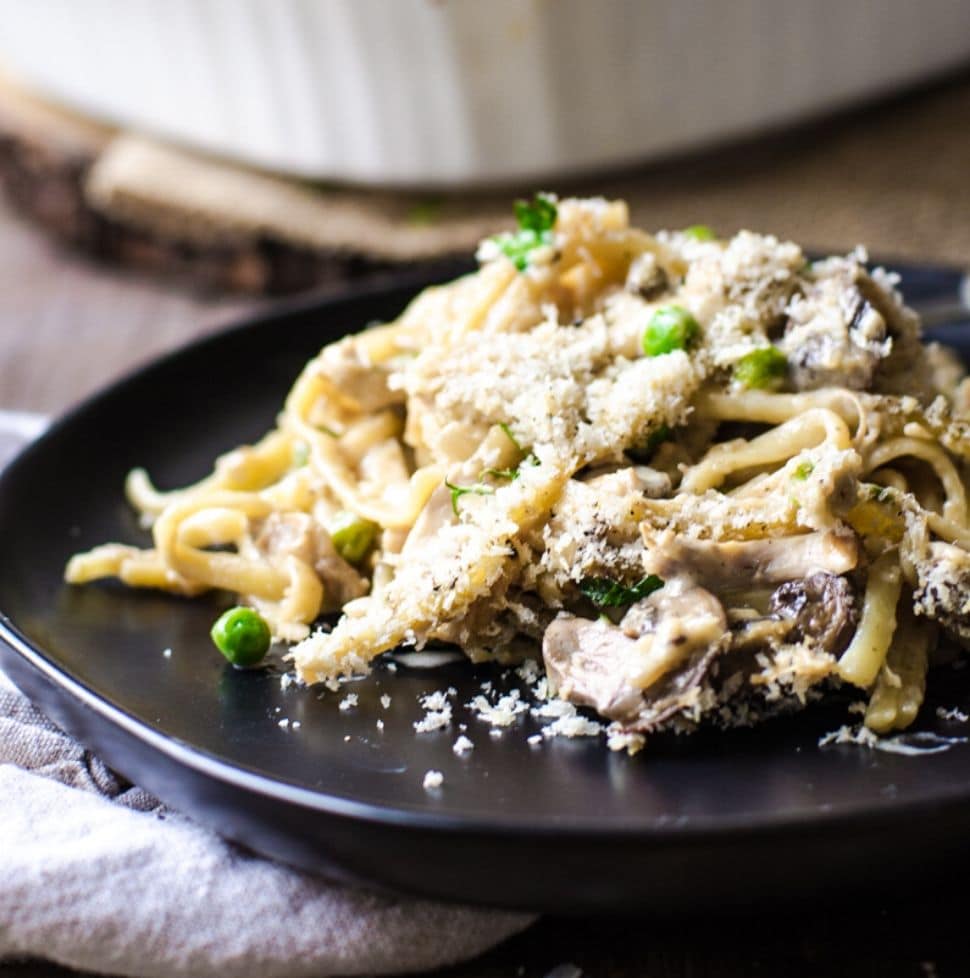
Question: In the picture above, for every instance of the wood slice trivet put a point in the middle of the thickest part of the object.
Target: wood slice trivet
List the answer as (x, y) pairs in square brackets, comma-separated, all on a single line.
[(138, 202)]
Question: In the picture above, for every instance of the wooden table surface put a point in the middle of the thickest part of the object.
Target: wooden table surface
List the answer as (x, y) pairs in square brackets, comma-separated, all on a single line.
[(67, 327)]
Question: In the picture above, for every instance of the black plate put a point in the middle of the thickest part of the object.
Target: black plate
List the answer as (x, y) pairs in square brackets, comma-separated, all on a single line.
[(746, 817)]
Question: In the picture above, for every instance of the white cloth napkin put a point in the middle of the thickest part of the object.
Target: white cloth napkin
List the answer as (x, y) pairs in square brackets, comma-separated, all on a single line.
[(97, 875)]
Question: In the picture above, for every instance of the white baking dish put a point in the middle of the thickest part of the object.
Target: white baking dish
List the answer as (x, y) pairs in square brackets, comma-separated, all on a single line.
[(443, 92)]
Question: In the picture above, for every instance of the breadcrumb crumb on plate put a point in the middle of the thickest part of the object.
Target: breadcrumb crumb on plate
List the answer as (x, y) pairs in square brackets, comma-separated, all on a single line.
[(462, 745)]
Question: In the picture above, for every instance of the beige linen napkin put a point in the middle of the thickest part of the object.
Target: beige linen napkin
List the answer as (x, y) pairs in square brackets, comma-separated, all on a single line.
[(98, 875)]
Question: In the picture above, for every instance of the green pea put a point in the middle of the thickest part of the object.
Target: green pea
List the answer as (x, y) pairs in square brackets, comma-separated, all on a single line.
[(670, 328), (242, 636), (352, 536), (700, 232), (765, 367)]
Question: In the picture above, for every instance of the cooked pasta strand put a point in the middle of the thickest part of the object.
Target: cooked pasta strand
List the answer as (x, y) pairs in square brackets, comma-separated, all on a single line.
[(867, 651), (901, 683)]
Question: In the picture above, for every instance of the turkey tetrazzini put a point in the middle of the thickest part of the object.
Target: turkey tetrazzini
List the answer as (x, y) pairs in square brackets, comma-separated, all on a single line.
[(707, 477)]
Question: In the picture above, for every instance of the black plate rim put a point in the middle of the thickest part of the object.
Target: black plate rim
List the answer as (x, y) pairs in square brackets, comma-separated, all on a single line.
[(709, 827)]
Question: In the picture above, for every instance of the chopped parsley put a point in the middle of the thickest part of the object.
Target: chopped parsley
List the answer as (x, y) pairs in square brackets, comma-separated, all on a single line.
[(482, 489), (508, 434), (538, 216), (536, 221), (607, 593), (802, 471), (879, 494), (502, 473), (530, 459), (478, 489)]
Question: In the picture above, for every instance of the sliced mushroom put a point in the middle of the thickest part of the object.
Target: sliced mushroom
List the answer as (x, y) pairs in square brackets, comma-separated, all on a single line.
[(835, 336), (821, 609), (768, 561), (647, 668), (646, 277)]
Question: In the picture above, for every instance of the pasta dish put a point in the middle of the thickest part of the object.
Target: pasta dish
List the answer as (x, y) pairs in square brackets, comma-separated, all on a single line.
[(709, 479)]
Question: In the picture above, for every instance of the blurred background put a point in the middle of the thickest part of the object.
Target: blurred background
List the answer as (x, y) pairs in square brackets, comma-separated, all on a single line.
[(167, 166)]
